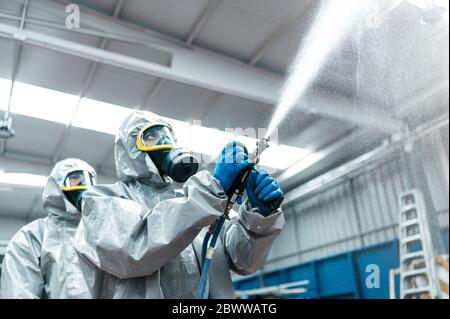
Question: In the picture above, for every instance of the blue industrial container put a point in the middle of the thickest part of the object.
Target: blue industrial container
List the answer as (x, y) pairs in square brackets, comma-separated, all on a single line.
[(342, 276)]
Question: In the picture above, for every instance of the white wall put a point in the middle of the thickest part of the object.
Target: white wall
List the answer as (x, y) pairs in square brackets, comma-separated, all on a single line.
[(362, 210)]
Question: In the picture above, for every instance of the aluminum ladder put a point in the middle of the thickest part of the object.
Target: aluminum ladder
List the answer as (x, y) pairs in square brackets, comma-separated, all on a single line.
[(417, 266)]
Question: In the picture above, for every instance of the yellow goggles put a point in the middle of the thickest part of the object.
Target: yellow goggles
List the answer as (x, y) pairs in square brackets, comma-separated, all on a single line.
[(155, 137), (78, 180)]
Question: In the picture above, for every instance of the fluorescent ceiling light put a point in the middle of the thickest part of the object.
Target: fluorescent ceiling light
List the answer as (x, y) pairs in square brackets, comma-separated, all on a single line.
[(282, 156), (211, 141), (182, 131), (50, 105), (99, 116), (249, 142), (23, 179), (5, 87), (207, 140), (103, 117)]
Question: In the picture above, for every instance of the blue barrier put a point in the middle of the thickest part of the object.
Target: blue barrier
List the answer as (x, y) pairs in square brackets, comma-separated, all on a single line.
[(340, 276)]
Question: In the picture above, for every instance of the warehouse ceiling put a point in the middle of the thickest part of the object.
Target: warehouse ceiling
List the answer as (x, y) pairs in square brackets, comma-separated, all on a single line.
[(221, 62)]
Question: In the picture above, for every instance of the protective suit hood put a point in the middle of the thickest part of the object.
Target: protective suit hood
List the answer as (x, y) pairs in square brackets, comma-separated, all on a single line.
[(54, 200), (131, 163)]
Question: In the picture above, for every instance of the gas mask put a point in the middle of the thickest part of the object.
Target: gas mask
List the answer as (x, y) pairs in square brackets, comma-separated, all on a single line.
[(158, 141), (75, 185)]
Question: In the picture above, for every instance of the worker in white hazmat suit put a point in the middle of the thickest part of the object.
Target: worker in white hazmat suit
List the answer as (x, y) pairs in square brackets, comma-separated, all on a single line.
[(40, 261), (139, 238)]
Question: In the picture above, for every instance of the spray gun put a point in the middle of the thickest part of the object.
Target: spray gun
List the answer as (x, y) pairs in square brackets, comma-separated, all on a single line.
[(237, 188), (234, 195)]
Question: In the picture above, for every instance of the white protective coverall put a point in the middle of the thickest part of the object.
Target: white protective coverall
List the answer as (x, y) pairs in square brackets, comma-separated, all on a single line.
[(40, 261), (139, 238)]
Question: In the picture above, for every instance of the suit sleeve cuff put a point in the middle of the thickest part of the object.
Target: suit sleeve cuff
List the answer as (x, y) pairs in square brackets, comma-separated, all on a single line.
[(257, 223)]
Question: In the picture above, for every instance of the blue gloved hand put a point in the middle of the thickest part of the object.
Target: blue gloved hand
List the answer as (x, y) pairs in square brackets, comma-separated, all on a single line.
[(232, 159), (261, 190)]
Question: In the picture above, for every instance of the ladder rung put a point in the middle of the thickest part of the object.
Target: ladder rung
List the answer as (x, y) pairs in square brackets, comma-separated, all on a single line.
[(410, 222), (409, 239), (413, 255), (415, 272), (417, 290), (406, 208)]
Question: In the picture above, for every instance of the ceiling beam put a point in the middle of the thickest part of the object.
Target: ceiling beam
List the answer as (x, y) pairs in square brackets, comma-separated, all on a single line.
[(189, 65), (82, 31), (292, 175), (154, 90), (370, 118), (87, 84), (439, 89), (210, 8), (151, 94), (24, 15), (279, 32), (336, 106), (208, 106), (343, 171), (118, 9), (210, 74)]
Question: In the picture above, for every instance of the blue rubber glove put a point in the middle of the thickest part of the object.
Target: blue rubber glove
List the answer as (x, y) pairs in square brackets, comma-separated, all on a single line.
[(261, 190), (232, 159)]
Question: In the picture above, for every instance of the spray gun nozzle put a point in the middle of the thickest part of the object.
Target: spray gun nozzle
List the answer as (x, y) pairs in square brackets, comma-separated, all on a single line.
[(261, 145)]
